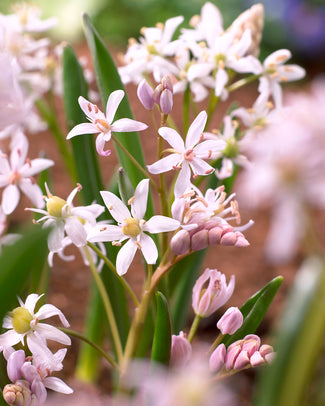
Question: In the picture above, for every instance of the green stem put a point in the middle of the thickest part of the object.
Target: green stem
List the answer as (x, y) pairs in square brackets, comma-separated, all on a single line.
[(186, 110), (51, 119), (194, 327), (113, 268), (73, 333), (216, 342), (140, 315), (135, 162), (213, 102), (242, 82), (107, 305)]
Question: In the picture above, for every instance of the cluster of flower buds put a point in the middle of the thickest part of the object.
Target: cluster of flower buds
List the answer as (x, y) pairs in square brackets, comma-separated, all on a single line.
[(241, 354), (204, 221), (162, 95)]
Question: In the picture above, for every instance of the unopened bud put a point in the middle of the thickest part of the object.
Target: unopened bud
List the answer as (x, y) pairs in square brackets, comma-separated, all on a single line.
[(200, 240), (145, 95), (180, 243), (206, 301), (17, 394), (166, 101), (217, 358), (242, 360), (231, 321), (251, 344), (181, 350)]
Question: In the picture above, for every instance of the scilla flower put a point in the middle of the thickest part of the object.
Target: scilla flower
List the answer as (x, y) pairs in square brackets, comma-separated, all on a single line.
[(23, 322), (132, 227)]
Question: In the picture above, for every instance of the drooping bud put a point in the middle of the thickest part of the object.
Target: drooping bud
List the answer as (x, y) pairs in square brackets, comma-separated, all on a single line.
[(21, 319), (181, 350), (145, 95), (217, 358), (252, 19), (231, 321), (206, 301), (17, 394)]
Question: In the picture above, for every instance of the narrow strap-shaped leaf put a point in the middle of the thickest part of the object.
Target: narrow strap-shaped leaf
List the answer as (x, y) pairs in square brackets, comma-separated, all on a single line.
[(108, 80), (183, 277), (300, 341), (17, 263), (255, 309), (162, 337), (84, 152)]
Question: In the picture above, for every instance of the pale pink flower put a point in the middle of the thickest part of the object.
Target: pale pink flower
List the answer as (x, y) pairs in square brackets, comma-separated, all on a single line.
[(132, 227), (34, 377), (23, 322), (188, 155), (102, 124), (206, 301), (181, 350), (16, 174), (274, 71)]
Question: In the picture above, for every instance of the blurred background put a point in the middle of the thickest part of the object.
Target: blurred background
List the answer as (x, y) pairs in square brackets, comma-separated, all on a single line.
[(295, 24)]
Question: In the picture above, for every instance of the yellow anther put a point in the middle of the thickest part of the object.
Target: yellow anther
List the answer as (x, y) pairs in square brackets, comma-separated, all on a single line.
[(54, 206), (131, 227), (21, 319)]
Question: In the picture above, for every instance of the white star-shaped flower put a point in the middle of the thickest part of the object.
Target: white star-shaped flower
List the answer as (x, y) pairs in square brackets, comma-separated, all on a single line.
[(187, 155), (102, 124), (132, 227)]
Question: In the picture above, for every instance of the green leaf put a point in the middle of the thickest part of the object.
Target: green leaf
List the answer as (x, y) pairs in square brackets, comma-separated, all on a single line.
[(162, 337), (108, 80), (84, 152), (254, 310), (124, 186), (17, 264), (300, 340), (182, 278)]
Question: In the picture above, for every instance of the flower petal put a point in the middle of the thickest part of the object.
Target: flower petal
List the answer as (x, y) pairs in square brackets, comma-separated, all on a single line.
[(52, 333), (160, 224), (10, 338), (56, 384), (125, 257), (84, 128), (116, 207), (76, 231), (149, 249), (113, 102), (33, 192), (127, 125), (183, 181), (15, 362), (102, 233), (139, 205), (173, 138), (48, 310), (10, 198), (100, 144), (165, 164), (35, 166), (31, 301), (195, 131)]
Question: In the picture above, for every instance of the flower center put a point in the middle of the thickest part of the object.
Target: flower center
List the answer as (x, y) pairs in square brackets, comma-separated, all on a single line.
[(54, 206), (102, 125), (220, 60), (189, 154), (21, 319), (14, 177), (131, 227), (231, 150)]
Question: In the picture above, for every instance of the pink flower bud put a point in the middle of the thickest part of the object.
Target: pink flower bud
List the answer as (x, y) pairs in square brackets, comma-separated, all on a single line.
[(231, 321), (232, 353), (181, 350), (251, 344), (267, 352), (200, 240), (17, 394), (217, 358), (180, 243), (256, 359), (166, 101), (145, 95), (167, 83), (241, 361), (206, 301), (157, 92)]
